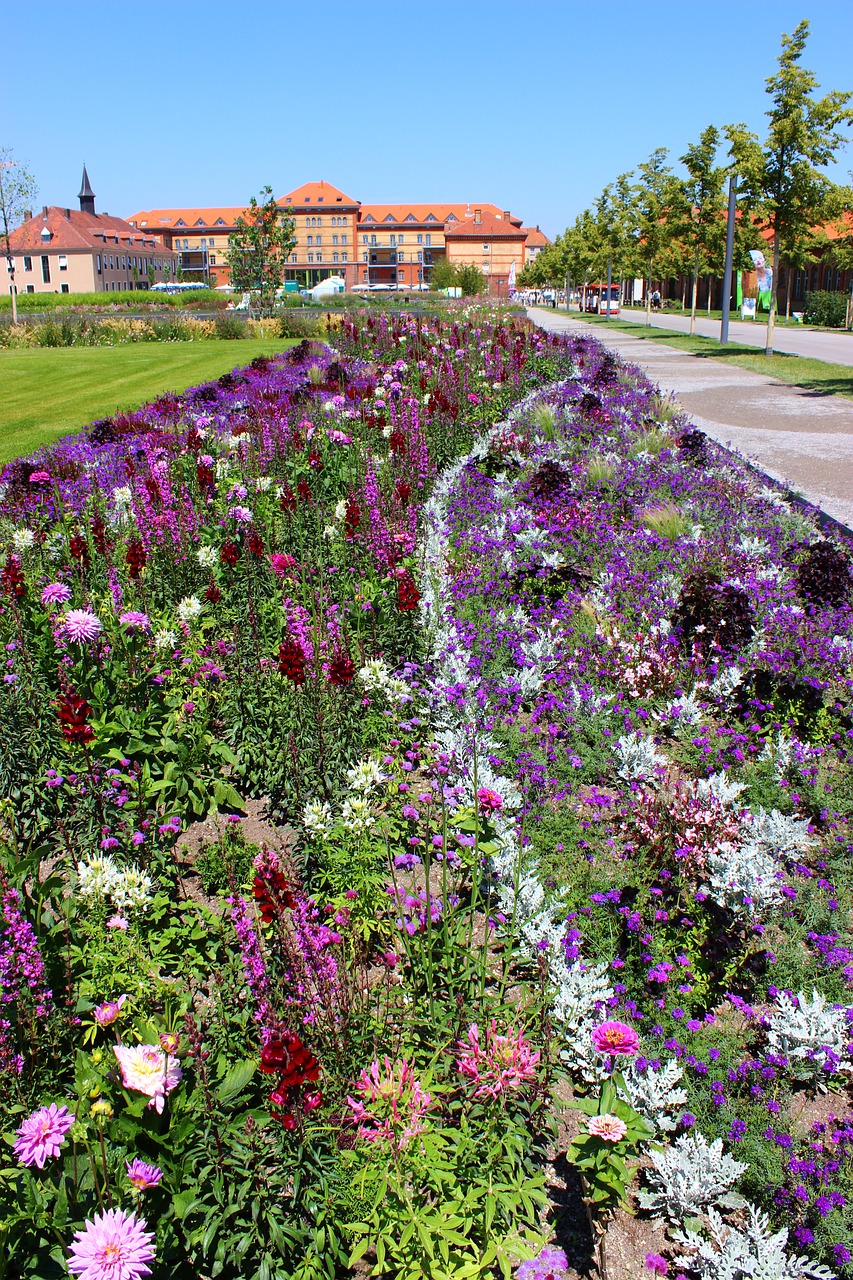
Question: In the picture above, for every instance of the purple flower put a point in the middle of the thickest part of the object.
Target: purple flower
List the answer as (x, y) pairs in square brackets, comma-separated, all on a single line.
[(56, 593), (135, 621), (42, 1135), (549, 1264), (141, 1175), (81, 625), (656, 1264), (114, 1246)]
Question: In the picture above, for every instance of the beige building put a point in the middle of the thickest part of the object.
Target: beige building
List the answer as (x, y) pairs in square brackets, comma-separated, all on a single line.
[(391, 245), (81, 251)]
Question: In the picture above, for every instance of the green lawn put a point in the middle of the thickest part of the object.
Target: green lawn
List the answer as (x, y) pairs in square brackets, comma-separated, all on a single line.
[(800, 371), (49, 391)]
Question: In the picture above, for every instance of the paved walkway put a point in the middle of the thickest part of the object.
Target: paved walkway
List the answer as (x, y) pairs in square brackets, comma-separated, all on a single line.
[(816, 343), (802, 437)]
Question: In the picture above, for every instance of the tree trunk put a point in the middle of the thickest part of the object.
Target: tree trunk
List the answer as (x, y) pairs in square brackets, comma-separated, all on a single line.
[(788, 297), (710, 292), (695, 291), (649, 297), (771, 319)]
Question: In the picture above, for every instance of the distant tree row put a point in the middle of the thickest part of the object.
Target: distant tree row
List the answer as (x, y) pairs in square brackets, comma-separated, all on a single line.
[(656, 224)]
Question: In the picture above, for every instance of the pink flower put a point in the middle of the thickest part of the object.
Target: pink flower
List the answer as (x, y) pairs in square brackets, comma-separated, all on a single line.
[(391, 1106), (56, 593), (608, 1127), (81, 625), (489, 800), (504, 1065), (615, 1037), (281, 563), (42, 1135), (39, 477), (141, 1175), (116, 922), (135, 621), (107, 1013), (656, 1264), (147, 1069), (113, 1246)]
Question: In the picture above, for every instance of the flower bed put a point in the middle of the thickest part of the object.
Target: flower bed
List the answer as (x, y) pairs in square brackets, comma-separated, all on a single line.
[(557, 703)]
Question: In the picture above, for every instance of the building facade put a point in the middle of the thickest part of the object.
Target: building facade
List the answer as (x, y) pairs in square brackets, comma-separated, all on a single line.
[(65, 250), (367, 245)]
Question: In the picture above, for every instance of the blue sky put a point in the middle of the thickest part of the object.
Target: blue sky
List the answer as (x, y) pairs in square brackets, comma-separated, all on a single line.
[(534, 106)]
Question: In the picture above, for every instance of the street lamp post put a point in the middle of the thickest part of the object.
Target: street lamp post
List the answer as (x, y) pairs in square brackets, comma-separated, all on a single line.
[(727, 272)]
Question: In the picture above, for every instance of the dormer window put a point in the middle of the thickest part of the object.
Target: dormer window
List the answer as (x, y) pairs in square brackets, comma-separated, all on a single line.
[(46, 234)]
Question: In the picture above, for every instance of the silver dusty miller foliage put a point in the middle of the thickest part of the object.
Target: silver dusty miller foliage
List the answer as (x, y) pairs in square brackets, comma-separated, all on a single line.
[(751, 1254), (654, 1093), (690, 1175), (807, 1031), (639, 757)]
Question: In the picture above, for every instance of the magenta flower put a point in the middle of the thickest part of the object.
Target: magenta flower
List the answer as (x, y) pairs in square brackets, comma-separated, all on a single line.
[(114, 1246), (281, 563), (56, 593), (135, 621), (107, 1013), (39, 477), (503, 1066), (141, 1175), (392, 1105), (42, 1135), (549, 1264), (81, 625), (615, 1037), (489, 800), (656, 1264)]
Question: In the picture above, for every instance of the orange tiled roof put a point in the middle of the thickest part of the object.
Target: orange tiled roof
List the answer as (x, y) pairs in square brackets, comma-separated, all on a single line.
[(316, 193), (71, 229), (535, 236), (489, 226), (168, 219), (421, 213)]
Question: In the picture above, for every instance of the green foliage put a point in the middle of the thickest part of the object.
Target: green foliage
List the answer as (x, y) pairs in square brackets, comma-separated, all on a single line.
[(259, 248), (225, 862), (827, 309)]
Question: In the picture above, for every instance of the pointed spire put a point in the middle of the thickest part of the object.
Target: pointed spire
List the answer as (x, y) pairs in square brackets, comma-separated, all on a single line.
[(86, 195)]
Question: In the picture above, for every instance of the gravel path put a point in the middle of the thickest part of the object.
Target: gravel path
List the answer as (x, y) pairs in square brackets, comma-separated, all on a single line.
[(804, 438)]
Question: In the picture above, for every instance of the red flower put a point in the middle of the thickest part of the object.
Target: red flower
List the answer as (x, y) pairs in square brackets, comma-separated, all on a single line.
[(291, 660), (272, 892), (255, 543), (204, 475), (341, 669), (403, 492), (229, 553), (12, 577), (303, 488), (285, 1054), (99, 534), (74, 714), (407, 593), (287, 499), (136, 558), (353, 517), (398, 442), (213, 594), (79, 548)]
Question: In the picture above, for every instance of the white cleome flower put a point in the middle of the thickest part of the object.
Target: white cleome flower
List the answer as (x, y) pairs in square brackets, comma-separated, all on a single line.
[(357, 814), (374, 675), (189, 608), (23, 539), (317, 818), (207, 557), (365, 776), (122, 496), (165, 639)]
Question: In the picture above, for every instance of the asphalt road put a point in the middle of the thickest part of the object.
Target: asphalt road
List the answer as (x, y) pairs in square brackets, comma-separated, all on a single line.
[(816, 343), (804, 438)]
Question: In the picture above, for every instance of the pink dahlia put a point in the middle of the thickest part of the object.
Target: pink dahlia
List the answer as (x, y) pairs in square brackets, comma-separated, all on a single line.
[(281, 563), (107, 1013), (42, 1135), (135, 621), (145, 1068), (81, 625), (141, 1175), (608, 1127), (489, 800), (615, 1037), (56, 593), (114, 1246)]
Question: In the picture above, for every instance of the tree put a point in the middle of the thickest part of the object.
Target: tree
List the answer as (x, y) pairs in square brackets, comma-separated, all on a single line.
[(785, 183), (18, 191), (259, 247), (702, 220), (470, 279), (653, 198), (443, 275)]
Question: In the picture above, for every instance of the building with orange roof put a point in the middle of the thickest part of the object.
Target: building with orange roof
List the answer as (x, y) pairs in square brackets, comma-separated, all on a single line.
[(367, 245), (490, 241), (65, 250)]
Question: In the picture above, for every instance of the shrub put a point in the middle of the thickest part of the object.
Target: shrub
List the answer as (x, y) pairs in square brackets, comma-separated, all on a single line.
[(231, 327), (299, 324), (828, 309)]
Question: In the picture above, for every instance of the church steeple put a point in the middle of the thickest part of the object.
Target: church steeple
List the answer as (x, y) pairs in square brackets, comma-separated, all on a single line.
[(87, 195)]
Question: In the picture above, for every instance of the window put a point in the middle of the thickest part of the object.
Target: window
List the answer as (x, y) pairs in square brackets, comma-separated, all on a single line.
[(112, 263), (308, 222), (399, 239), (213, 259), (420, 238), (420, 255), (343, 239), (64, 288), (373, 239), (364, 255), (310, 257), (45, 269), (28, 263), (429, 239), (401, 257), (485, 248), (334, 257), (364, 238), (10, 265), (63, 262), (293, 257), (99, 264), (31, 288), (334, 239), (345, 257), (393, 238), (319, 257), (319, 240), (311, 240)]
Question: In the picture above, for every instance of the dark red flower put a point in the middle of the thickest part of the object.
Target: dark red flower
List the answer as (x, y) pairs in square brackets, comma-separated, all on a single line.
[(291, 660), (407, 593), (255, 543), (99, 534), (315, 462), (285, 1054), (287, 499), (272, 893), (74, 714), (229, 553), (398, 442), (135, 557), (213, 594), (403, 490), (303, 488), (12, 577), (204, 475), (79, 548), (341, 669), (353, 517)]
